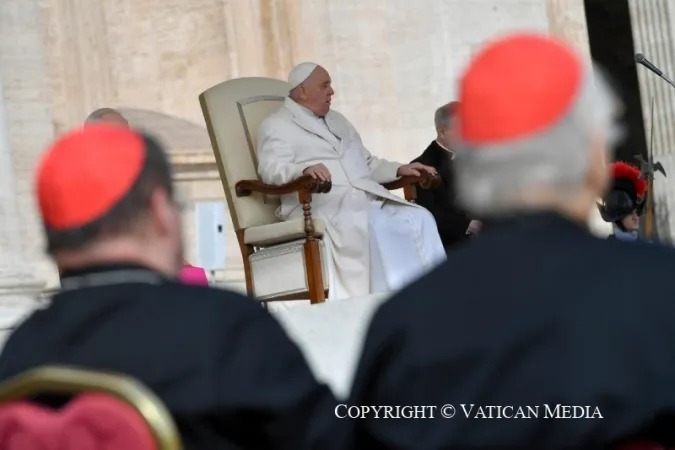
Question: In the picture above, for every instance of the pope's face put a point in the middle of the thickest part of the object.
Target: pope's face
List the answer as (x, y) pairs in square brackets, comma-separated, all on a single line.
[(316, 92)]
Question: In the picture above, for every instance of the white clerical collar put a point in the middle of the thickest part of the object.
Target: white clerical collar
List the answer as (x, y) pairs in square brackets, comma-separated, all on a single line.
[(445, 148)]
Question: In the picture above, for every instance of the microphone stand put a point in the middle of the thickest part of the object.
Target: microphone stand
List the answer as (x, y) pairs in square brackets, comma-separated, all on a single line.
[(649, 207), (649, 167), (668, 80)]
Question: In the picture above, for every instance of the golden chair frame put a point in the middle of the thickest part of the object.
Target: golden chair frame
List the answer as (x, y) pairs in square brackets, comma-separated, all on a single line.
[(70, 380)]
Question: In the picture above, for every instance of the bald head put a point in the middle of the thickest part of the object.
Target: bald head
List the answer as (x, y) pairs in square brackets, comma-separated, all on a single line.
[(107, 115), (311, 87)]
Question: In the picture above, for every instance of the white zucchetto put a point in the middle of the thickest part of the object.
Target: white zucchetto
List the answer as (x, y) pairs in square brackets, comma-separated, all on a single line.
[(300, 73)]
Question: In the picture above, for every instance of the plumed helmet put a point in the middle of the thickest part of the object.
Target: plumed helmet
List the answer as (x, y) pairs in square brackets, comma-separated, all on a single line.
[(626, 194)]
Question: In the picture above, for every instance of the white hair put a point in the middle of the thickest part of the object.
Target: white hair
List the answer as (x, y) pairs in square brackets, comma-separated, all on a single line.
[(490, 179)]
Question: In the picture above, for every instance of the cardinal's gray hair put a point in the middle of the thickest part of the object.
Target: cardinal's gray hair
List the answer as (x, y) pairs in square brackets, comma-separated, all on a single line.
[(491, 178)]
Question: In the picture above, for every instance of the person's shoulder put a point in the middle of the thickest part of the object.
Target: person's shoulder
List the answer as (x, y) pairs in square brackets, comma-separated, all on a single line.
[(638, 249), (209, 298), (629, 286), (643, 257), (276, 121), (335, 114), (427, 155), (626, 281)]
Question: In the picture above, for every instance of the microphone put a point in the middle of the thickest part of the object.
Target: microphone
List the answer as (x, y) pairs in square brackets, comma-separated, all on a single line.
[(642, 60)]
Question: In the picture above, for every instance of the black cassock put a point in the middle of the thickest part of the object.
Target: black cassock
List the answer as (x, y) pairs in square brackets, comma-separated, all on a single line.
[(451, 220), (536, 313), (223, 366)]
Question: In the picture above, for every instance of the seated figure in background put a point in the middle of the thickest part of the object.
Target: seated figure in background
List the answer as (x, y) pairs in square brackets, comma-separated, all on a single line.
[(376, 241), (190, 274), (108, 116), (454, 225), (224, 367), (624, 203)]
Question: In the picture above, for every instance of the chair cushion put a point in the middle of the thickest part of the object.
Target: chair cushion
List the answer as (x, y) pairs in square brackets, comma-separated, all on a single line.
[(91, 421), (280, 232)]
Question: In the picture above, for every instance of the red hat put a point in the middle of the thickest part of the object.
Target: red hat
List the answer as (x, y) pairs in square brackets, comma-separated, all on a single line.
[(515, 87), (87, 172)]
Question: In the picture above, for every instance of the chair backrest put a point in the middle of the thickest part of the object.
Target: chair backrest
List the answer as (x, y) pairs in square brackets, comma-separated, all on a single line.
[(193, 275), (107, 411), (233, 111)]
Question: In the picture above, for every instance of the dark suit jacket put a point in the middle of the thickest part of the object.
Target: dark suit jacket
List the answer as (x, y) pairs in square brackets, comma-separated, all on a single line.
[(223, 366), (452, 221), (536, 312)]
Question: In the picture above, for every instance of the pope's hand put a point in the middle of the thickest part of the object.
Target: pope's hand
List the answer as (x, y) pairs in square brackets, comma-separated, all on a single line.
[(415, 170), (318, 172)]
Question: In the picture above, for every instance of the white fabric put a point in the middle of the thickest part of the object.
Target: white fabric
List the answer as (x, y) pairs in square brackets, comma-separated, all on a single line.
[(299, 73), (404, 245), (292, 139)]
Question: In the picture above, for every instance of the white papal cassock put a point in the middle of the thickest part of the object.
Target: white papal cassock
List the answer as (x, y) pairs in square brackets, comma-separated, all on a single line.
[(376, 241)]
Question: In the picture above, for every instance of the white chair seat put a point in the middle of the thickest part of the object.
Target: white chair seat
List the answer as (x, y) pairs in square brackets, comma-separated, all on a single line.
[(280, 232)]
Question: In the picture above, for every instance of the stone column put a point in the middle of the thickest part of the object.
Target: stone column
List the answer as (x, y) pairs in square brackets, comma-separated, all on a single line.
[(19, 287), (652, 22), (567, 21)]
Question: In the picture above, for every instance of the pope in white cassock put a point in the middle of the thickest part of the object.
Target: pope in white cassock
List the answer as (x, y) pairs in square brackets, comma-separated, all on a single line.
[(376, 241)]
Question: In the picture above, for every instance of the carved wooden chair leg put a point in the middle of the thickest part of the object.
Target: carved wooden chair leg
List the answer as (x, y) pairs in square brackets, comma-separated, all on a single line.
[(410, 193), (246, 252), (313, 263), (314, 273)]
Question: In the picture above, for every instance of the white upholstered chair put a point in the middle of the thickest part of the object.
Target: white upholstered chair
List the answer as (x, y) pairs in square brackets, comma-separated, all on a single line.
[(282, 260)]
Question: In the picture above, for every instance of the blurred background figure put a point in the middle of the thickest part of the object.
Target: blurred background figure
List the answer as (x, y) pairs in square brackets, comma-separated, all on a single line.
[(190, 274), (454, 225), (109, 116), (624, 203)]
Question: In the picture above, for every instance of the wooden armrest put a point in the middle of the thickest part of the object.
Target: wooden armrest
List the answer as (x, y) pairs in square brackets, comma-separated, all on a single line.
[(424, 181), (244, 188)]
